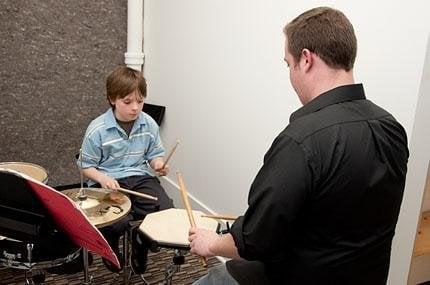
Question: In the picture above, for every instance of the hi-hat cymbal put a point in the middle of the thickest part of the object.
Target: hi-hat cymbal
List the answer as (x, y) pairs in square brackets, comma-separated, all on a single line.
[(98, 205)]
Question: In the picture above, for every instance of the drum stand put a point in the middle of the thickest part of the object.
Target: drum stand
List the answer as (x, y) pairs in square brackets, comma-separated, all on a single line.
[(126, 250), (87, 278), (30, 278), (174, 267)]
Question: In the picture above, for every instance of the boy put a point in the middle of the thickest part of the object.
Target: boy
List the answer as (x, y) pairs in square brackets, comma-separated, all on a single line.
[(118, 150)]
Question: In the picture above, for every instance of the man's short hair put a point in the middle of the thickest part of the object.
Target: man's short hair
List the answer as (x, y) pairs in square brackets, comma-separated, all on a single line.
[(326, 32)]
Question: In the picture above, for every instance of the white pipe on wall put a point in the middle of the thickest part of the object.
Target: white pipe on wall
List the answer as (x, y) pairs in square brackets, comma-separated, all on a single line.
[(134, 55)]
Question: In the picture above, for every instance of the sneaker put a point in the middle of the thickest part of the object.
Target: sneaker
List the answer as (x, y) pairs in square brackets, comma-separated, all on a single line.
[(109, 265), (139, 252), (112, 267)]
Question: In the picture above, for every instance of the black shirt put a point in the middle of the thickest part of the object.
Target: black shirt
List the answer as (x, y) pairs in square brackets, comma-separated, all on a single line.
[(324, 206)]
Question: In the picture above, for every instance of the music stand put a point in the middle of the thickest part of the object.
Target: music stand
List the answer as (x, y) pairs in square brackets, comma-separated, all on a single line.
[(23, 218), (155, 111), (30, 211)]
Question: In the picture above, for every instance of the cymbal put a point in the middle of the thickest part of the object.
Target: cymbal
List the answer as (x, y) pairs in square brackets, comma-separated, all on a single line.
[(100, 206), (33, 170)]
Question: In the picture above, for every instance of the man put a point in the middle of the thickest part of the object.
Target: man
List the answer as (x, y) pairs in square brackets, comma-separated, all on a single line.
[(324, 206)]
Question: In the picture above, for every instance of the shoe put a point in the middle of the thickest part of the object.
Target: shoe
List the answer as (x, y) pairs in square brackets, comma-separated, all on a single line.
[(109, 265), (139, 252)]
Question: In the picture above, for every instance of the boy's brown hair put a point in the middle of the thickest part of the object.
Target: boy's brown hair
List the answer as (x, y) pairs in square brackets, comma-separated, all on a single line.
[(326, 32), (124, 80)]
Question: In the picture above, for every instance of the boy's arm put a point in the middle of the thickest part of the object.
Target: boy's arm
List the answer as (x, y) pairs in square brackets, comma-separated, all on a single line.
[(104, 180)]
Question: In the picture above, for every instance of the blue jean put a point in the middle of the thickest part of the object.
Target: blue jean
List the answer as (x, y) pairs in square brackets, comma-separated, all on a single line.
[(217, 275)]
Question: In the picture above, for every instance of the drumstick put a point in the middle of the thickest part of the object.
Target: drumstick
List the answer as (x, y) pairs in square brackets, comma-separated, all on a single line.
[(184, 195), (138, 194), (188, 207), (221, 217), (170, 154)]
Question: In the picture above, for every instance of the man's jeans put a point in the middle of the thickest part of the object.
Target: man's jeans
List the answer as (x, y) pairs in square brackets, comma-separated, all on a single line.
[(217, 275)]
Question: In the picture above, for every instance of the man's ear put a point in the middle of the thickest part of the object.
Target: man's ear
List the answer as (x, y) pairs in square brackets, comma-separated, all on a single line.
[(306, 59)]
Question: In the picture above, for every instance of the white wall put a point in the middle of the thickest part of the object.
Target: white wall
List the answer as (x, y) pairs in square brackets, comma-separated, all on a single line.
[(417, 181), (217, 66)]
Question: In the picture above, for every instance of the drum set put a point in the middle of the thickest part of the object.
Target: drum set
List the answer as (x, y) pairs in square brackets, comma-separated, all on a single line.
[(53, 249), (163, 229)]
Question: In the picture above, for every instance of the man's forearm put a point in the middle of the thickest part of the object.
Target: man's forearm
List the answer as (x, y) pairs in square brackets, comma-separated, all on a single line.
[(225, 246)]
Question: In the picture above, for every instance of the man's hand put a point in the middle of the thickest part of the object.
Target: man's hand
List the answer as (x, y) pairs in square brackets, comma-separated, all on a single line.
[(208, 243), (201, 241)]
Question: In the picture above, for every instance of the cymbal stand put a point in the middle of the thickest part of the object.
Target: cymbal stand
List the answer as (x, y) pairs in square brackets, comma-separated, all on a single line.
[(82, 197), (126, 251)]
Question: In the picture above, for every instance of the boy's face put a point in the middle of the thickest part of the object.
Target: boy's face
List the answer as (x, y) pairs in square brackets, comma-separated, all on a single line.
[(128, 108)]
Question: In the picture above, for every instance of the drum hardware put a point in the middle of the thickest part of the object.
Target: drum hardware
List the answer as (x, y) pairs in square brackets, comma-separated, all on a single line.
[(36, 278), (83, 199), (33, 261), (11, 256), (126, 253), (100, 209), (30, 247), (223, 231), (169, 229), (31, 240), (178, 259)]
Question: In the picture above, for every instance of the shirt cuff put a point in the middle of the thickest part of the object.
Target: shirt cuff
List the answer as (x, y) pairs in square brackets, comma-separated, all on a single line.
[(236, 232)]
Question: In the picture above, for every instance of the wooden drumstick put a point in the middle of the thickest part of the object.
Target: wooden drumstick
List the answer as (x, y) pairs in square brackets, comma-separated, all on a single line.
[(138, 194), (184, 195), (221, 217), (170, 154)]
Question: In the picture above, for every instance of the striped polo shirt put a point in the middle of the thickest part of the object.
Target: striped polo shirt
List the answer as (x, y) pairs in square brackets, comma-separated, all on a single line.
[(107, 147)]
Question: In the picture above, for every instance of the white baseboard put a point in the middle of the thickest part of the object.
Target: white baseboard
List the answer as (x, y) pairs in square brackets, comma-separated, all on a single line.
[(172, 189)]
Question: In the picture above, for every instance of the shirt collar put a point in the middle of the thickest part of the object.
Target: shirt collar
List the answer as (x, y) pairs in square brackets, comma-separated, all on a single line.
[(334, 96), (111, 122)]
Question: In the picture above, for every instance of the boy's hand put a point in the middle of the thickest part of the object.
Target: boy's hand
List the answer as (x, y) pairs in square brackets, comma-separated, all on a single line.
[(159, 167), (109, 183), (162, 171)]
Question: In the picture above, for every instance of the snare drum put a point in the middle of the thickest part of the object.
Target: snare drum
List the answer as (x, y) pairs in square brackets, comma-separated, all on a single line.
[(17, 254), (33, 170), (169, 228)]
